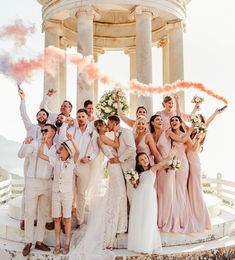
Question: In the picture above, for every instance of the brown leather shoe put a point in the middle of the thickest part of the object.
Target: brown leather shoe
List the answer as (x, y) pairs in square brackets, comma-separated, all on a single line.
[(42, 246), (26, 249), (22, 224), (50, 225)]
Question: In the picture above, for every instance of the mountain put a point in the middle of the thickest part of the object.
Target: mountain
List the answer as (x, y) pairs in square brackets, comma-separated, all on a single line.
[(8, 155)]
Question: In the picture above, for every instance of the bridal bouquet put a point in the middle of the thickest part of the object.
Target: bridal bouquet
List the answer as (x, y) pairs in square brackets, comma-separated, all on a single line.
[(174, 164), (107, 105), (133, 177)]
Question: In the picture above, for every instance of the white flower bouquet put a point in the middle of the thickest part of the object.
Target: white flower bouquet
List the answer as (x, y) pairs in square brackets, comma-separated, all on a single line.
[(174, 164), (197, 100), (201, 128), (194, 119), (107, 105), (133, 177)]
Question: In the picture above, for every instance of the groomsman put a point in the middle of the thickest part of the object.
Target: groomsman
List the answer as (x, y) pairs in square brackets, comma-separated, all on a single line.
[(86, 140), (65, 109), (126, 151), (33, 130), (88, 105), (38, 185)]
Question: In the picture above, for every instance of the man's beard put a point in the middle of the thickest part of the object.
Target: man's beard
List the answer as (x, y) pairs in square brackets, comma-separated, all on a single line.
[(42, 122), (58, 123)]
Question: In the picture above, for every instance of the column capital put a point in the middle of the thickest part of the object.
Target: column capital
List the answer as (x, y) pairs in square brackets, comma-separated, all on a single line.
[(130, 50), (98, 50), (54, 26), (142, 10), (162, 42), (175, 24), (89, 10)]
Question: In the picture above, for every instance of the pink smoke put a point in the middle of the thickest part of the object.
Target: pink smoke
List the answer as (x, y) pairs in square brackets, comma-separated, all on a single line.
[(18, 31)]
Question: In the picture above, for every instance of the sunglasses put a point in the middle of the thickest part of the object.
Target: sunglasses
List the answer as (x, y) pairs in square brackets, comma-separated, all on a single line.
[(44, 130)]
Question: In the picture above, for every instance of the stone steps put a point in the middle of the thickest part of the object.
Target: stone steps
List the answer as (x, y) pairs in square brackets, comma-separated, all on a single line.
[(223, 224), (223, 248)]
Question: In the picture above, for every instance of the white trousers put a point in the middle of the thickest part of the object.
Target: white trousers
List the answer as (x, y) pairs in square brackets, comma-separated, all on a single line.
[(83, 175), (37, 203)]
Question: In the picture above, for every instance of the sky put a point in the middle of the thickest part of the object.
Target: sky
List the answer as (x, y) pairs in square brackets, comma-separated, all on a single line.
[(209, 57)]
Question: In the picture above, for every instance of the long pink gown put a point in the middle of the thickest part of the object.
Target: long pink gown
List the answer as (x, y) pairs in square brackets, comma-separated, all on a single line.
[(198, 206), (166, 119), (182, 214), (165, 188), (143, 147)]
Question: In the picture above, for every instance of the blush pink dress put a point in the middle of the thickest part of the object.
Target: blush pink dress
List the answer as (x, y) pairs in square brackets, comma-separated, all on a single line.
[(165, 188), (182, 214), (198, 206), (166, 119), (143, 147)]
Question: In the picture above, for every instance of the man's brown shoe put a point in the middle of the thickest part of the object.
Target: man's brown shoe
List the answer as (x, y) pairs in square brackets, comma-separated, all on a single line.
[(22, 224), (50, 225), (26, 249), (42, 246)]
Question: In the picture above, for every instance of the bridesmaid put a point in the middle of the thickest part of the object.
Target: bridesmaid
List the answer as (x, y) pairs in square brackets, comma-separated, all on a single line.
[(167, 112), (194, 146), (140, 111), (165, 182), (145, 142), (182, 216)]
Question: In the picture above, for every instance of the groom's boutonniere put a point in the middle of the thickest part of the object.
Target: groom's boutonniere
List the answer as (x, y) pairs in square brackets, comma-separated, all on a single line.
[(119, 134), (91, 134)]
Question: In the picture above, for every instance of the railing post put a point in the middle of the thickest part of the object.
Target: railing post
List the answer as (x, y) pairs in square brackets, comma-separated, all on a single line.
[(219, 184)]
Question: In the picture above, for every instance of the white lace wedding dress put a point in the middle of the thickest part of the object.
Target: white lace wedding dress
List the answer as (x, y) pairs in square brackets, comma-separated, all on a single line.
[(143, 234), (107, 215)]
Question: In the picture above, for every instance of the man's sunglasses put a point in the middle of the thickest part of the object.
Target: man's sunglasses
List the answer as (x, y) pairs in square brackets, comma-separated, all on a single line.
[(44, 130)]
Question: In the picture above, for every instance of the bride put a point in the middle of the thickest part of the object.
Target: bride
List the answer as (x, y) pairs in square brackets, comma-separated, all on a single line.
[(107, 212)]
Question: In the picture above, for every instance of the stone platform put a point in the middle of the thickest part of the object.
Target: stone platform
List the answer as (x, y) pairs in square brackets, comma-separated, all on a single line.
[(219, 240)]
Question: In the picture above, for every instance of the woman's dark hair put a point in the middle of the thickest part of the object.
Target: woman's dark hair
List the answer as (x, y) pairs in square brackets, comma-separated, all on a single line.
[(180, 120), (98, 122), (152, 118), (138, 167), (141, 107), (115, 119)]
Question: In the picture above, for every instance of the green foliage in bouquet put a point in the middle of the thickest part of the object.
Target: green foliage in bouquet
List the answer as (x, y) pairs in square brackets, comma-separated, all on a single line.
[(107, 105)]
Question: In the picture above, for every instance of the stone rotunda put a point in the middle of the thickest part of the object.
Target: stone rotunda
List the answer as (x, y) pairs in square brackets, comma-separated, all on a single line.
[(94, 26)]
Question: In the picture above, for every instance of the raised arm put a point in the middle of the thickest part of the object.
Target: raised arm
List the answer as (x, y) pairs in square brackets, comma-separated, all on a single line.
[(23, 112), (130, 122), (77, 151), (178, 138), (41, 154), (153, 148), (212, 117), (26, 148)]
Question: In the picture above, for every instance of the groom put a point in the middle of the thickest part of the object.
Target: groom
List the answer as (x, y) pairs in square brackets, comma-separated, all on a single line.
[(126, 151)]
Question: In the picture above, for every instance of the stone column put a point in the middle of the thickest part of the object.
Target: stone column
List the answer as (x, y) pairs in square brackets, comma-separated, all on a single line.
[(173, 57), (131, 52), (63, 71), (85, 16), (97, 53), (52, 37), (144, 52)]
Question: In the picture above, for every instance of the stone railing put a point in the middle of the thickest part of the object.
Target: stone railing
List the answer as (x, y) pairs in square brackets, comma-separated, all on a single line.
[(223, 189), (10, 187)]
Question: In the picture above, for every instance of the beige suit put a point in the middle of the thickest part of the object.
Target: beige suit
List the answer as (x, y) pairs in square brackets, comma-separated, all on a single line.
[(127, 154)]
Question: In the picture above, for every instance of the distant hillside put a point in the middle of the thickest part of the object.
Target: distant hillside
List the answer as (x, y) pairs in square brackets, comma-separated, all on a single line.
[(8, 154)]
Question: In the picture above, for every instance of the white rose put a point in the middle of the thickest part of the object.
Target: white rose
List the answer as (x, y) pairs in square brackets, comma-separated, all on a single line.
[(107, 110), (136, 176), (110, 102)]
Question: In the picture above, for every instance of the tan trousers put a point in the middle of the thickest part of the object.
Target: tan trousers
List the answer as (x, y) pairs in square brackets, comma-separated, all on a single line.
[(37, 203), (83, 174)]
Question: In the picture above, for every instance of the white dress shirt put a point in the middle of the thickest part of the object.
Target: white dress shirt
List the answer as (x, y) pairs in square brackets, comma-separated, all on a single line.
[(86, 141), (38, 168)]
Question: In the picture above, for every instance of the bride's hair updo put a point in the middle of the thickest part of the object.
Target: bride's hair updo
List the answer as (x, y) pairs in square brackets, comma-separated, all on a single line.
[(98, 122)]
